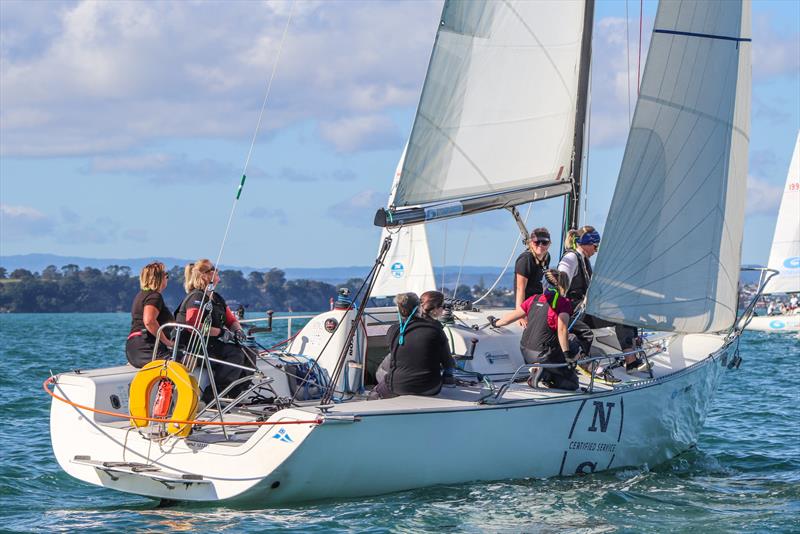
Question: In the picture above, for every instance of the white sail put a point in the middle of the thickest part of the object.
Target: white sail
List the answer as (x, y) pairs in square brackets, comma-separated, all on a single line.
[(671, 251), (408, 265), (785, 254), (498, 108)]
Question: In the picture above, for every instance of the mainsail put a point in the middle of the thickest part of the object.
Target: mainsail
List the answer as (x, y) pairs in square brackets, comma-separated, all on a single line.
[(671, 251), (500, 119), (785, 254), (407, 265)]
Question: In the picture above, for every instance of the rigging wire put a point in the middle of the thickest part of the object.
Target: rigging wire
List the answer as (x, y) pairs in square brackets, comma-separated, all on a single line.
[(444, 254), (255, 135), (585, 167), (628, 58), (639, 61), (206, 292), (508, 262), (463, 257)]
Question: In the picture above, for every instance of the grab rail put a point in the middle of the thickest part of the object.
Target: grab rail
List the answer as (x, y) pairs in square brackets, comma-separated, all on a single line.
[(593, 361), (270, 318), (197, 349)]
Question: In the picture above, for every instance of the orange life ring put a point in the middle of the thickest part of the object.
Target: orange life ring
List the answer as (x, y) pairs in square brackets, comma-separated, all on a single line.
[(186, 390)]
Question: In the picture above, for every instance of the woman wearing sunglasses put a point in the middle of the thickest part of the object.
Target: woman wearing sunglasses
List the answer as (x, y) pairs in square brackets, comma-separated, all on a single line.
[(531, 265), (203, 307)]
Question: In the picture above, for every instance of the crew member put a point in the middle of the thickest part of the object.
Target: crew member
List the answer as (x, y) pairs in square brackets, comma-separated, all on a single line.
[(420, 352), (224, 332), (545, 338), (531, 265), (148, 313), (580, 245)]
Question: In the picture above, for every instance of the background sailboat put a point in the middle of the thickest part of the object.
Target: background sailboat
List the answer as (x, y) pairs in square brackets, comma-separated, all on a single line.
[(784, 256)]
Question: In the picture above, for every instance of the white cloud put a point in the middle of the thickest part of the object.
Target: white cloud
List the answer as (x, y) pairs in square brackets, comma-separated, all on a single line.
[(776, 53), (614, 64), (107, 76), (763, 198), (23, 222), (358, 211), (278, 215), (366, 132)]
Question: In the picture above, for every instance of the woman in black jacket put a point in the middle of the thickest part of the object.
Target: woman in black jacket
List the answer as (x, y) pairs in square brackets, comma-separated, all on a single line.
[(420, 352)]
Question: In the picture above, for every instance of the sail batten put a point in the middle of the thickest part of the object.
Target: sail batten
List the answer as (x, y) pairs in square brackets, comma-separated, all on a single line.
[(672, 242)]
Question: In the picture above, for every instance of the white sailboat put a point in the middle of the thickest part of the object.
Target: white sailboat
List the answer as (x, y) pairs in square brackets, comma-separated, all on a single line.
[(784, 257), (500, 123)]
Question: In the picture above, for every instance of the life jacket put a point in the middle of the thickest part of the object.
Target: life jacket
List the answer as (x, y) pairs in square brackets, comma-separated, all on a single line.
[(579, 284), (538, 335), (214, 302)]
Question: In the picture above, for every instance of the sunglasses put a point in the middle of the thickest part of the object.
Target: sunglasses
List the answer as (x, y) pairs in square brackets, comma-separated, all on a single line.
[(166, 276), (541, 242)]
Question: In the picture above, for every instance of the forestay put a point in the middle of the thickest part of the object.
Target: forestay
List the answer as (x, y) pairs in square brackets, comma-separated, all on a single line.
[(497, 111), (672, 245), (785, 254)]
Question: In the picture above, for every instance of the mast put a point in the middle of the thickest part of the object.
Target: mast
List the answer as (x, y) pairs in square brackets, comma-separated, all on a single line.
[(573, 199)]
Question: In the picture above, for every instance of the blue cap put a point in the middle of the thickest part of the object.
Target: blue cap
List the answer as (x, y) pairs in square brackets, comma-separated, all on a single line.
[(589, 238)]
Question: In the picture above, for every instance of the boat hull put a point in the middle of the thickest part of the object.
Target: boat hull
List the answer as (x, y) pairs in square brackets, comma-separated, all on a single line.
[(644, 425), (366, 449), (775, 323)]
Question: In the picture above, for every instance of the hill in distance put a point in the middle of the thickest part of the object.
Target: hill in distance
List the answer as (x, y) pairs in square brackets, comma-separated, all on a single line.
[(470, 275)]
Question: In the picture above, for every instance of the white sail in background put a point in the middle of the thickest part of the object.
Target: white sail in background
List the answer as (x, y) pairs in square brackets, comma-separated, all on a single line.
[(671, 251), (785, 254), (498, 107), (408, 265)]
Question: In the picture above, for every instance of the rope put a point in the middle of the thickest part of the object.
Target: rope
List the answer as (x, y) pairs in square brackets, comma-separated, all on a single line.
[(52, 381), (508, 262)]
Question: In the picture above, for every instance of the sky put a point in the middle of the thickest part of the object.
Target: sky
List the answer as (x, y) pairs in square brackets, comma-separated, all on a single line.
[(125, 127)]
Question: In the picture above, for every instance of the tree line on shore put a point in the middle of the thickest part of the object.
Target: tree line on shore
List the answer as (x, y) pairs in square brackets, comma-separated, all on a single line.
[(72, 289)]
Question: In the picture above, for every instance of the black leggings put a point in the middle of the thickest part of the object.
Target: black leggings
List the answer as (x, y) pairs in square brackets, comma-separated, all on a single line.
[(626, 335), (224, 375), (139, 350)]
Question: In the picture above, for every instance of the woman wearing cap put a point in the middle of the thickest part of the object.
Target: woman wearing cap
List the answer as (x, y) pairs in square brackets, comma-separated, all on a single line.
[(531, 265), (545, 338), (148, 313), (420, 358), (580, 245)]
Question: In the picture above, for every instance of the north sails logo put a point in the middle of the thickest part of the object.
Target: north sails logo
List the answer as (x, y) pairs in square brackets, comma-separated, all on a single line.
[(283, 436), (792, 263), (397, 270)]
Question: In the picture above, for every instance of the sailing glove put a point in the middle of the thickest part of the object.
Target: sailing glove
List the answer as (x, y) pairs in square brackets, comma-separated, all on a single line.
[(226, 336), (241, 337), (570, 356)]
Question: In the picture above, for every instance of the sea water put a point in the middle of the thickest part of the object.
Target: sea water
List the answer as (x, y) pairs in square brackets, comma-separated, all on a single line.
[(744, 475)]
